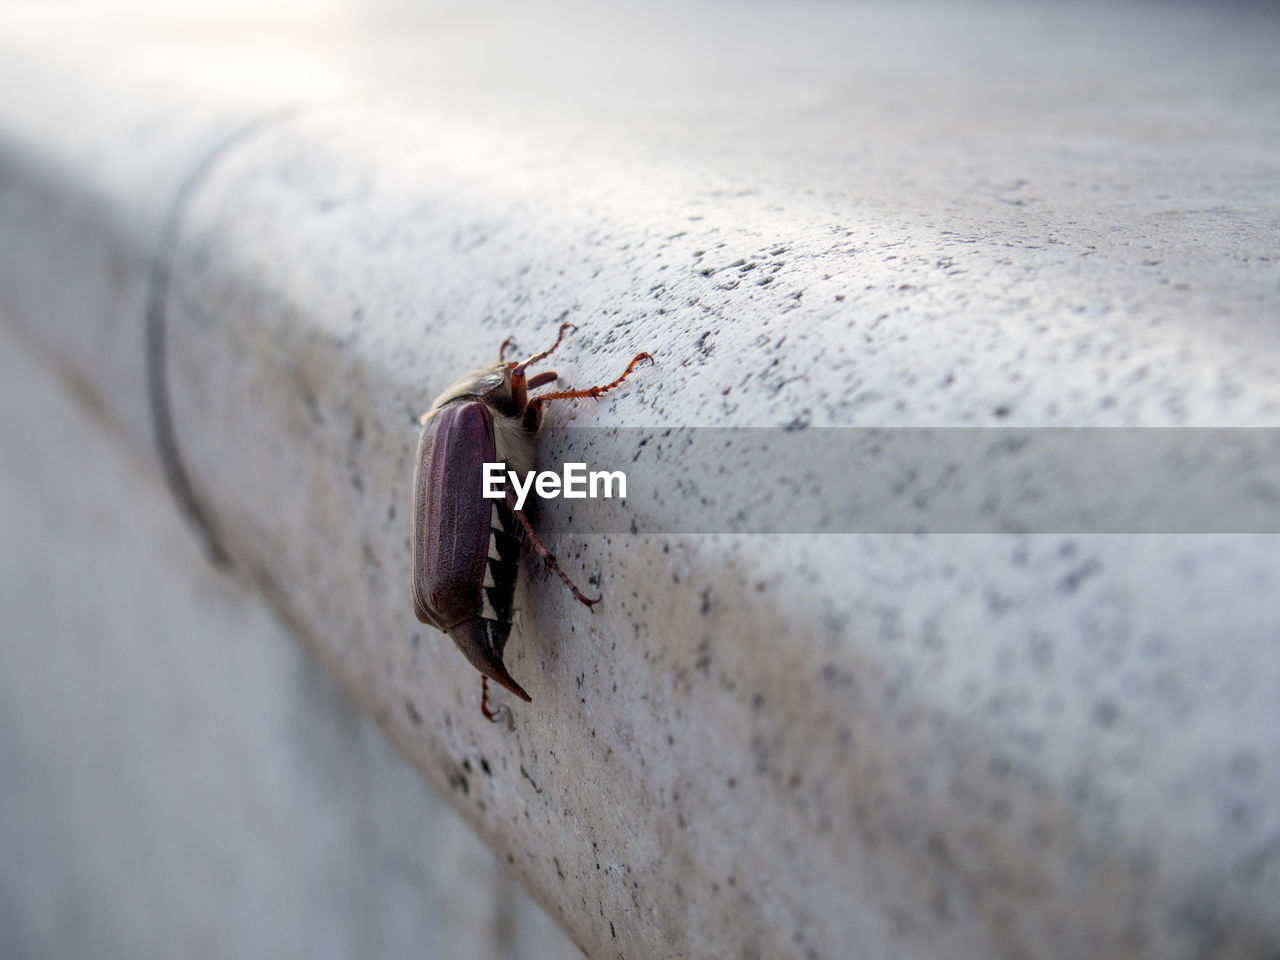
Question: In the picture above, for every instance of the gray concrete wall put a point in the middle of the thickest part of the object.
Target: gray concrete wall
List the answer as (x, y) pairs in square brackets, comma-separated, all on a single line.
[(881, 745), (179, 777)]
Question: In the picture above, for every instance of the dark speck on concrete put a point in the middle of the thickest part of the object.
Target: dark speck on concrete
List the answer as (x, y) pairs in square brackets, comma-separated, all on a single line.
[(525, 773), (1071, 582), (1244, 767), (1106, 713), (458, 781), (800, 422)]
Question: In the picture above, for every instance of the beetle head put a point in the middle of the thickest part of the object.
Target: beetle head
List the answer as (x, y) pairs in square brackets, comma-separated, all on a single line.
[(496, 387)]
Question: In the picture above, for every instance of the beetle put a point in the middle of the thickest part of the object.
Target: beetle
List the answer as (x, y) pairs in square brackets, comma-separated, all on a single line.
[(466, 549)]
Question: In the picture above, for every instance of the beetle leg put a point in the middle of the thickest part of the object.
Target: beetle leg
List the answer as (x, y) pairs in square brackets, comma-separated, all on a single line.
[(520, 367), (548, 558), (503, 712), (484, 700), (533, 412), (592, 392)]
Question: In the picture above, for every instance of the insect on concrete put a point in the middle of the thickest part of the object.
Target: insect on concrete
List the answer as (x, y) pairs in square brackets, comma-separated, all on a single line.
[(466, 548)]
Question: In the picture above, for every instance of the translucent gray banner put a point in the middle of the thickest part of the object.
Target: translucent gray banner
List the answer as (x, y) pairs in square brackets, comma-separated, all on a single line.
[(929, 480)]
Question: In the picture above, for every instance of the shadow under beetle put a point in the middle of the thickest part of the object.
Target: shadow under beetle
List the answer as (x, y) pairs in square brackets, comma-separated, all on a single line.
[(466, 548)]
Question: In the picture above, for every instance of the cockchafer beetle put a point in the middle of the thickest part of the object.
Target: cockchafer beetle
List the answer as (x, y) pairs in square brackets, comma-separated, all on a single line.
[(466, 549)]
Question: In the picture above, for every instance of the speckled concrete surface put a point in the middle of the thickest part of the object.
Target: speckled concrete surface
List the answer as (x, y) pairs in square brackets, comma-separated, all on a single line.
[(874, 746)]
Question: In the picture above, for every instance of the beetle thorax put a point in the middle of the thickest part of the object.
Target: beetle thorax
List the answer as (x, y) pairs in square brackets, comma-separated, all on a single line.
[(490, 385)]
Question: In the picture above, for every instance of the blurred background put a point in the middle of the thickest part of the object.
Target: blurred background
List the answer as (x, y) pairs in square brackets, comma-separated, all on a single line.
[(979, 213)]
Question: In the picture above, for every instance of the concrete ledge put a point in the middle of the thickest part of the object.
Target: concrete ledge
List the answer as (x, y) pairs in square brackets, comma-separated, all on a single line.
[(932, 215), (180, 776)]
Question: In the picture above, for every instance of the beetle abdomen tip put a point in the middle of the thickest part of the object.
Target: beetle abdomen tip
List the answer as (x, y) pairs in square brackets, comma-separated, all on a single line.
[(481, 642)]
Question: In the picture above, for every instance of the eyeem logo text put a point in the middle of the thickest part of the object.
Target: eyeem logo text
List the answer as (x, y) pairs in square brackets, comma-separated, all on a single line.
[(574, 484)]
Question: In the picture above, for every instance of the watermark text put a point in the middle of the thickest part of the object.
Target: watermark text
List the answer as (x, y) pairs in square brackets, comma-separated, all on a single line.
[(573, 483)]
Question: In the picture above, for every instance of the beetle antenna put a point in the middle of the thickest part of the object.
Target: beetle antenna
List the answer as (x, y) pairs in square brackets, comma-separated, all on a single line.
[(594, 392), (541, 379), (502, 350), (520, 367)]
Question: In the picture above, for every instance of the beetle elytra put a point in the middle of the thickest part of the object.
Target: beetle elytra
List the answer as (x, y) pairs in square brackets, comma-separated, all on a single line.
[(466, 549)]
